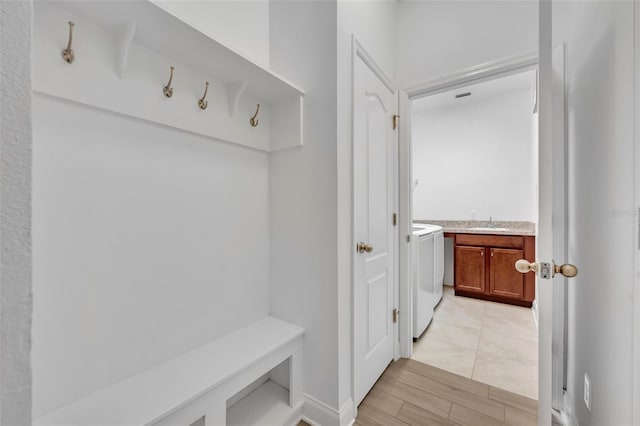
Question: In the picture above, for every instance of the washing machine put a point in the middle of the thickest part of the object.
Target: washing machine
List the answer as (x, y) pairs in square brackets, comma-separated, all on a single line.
[(422, 257)]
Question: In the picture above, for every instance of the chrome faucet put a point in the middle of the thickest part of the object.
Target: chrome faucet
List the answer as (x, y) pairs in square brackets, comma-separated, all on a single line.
[(490, 224)]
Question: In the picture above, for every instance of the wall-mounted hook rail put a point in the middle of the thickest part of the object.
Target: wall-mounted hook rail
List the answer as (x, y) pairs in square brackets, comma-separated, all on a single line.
[(67, 54), (254, 120), (202, 103), (168, 90)]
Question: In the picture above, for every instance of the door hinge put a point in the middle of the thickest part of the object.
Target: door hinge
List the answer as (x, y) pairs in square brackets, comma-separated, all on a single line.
[(396, 117), (395, 219), (408, 238), (395, 314)]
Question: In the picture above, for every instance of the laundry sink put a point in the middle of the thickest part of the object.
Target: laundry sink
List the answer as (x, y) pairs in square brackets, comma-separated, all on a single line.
[(486, 228)]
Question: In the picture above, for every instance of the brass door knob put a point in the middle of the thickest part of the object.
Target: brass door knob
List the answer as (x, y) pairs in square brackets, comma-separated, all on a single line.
[(568, 270), (525, 266), (546, 269), (362, 247)]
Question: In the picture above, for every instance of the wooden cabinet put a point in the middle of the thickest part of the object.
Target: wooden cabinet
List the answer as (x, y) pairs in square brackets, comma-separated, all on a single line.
[(484, 267), (470, 271), (504, 280)]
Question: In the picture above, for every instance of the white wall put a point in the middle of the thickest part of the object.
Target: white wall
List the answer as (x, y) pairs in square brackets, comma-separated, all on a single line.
[(303, 193), (15, 212), (600, 78), (148, 242), (475, 155), (437, 38), (240, 25), (311, 187)]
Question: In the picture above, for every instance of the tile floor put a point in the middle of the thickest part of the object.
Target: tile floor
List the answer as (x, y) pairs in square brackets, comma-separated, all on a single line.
[(488, 342)]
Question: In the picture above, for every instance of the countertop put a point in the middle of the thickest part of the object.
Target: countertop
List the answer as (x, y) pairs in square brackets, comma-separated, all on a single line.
[(465, 227)]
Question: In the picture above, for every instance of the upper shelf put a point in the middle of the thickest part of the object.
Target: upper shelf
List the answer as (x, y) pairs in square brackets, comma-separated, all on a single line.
[(123, 52), (169, 36)]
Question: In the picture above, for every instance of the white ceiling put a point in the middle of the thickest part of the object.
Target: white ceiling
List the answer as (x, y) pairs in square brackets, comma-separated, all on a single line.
[(483, 90)]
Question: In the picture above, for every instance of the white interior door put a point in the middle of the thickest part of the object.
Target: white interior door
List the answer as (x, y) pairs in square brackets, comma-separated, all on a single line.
[(551, 180), (374, 200), (587, 213), (559, 283)]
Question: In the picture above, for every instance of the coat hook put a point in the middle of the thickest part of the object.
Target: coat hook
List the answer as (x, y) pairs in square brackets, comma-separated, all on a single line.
[(67, 54), (254, 121), (168, 90), (202, 103)]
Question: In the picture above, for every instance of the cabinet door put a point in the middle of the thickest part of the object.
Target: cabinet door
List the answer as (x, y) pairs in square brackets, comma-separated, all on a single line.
[(504, 279), (469, 263)]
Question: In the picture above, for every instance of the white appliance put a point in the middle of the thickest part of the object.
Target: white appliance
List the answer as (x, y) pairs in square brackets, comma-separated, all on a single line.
[(422, 276)]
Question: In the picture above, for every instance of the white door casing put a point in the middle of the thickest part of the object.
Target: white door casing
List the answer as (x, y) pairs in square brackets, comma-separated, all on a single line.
[(636, 291), (374, 105), (405, 227)]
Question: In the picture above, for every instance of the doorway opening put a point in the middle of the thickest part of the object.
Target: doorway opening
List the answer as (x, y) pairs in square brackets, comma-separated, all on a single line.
[(474, 174)]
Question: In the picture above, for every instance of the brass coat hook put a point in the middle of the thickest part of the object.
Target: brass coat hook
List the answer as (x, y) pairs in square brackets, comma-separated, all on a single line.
[(168, 90), (202, 103), (254, 120), (67, 54)]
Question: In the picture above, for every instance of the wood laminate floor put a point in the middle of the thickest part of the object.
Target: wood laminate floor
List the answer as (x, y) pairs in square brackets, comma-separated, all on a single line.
[(412, 393)]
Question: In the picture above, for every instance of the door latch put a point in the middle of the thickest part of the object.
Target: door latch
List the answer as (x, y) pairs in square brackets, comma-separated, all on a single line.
[(545, 270)]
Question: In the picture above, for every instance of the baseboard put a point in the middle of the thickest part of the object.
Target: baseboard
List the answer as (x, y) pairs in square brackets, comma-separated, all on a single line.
[(566, 415), (295, 416), (561, 418), (568, 410), (347, 417), (317, 413), (558, 418)]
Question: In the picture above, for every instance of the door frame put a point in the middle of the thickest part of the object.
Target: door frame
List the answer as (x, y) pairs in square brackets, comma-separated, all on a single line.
[(476, 74), (636, 290), (472, 75), (359, 51)]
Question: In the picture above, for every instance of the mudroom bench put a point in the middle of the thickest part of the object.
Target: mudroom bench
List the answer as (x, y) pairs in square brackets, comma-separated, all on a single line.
[(251, 376)]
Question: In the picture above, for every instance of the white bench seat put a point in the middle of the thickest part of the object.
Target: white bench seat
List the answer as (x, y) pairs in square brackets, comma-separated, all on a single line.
[(194, 384)]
